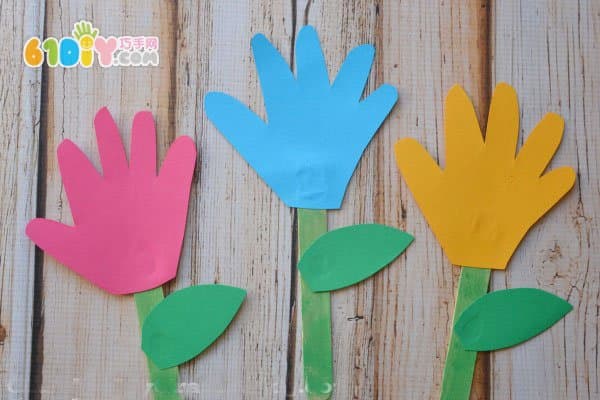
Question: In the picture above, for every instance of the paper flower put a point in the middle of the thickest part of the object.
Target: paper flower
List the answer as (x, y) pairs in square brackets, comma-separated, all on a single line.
[(129, 222), (316, 132), (485, 200)]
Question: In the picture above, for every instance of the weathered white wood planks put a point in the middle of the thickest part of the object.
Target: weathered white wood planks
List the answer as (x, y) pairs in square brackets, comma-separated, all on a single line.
[(390, 332), (550, 51), (239, 232), (19, 129)]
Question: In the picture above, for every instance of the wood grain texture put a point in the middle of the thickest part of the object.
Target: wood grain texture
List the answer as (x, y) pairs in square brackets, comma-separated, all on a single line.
[(239, 232), (549, 51), (90, 347), (390, 333), (19, 127)]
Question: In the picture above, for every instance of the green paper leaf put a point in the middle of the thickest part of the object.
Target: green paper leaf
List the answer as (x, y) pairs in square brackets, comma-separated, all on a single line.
[(185, 323), (348, 255), (505, 318)]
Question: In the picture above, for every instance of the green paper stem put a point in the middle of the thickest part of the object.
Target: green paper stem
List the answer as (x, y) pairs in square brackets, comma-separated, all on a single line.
[(316, 315), (460, 363), (164, 381)]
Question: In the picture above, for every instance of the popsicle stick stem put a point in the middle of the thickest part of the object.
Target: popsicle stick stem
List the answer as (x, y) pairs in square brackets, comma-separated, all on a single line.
[(163, 381), (460, 363), (316, 315)]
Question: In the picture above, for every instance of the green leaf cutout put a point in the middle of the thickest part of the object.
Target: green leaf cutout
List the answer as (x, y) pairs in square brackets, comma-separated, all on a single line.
[(505, 318), (348, 255), (185, 323)]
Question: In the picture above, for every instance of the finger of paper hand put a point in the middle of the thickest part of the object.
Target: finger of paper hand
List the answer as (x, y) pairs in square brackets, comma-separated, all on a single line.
[(462, 132), (354, 72), (502, 130), (541, 145), (110, 146), (178, 166), (417, 166), (553, 186), (143, 144), (375, 108), (311, 70), (79, 177), (231, 117), (57, 239), (274, 73)]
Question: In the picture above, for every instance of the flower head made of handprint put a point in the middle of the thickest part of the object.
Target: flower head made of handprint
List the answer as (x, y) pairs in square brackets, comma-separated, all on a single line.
[(315, 131), (487, 197), (129, 222)]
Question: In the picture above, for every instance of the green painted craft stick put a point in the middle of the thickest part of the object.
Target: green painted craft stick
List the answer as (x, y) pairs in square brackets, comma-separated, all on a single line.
[(316, 315), (460, 363), (164, 381)]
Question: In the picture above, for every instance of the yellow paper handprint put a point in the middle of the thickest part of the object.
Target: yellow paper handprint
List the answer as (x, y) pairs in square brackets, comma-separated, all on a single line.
[(485, 200)]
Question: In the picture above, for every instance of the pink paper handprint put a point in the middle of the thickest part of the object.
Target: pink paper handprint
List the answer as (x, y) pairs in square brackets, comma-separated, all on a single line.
[(129, 222)]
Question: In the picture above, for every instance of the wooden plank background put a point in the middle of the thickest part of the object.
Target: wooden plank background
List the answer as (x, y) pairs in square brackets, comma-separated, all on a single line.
[(62, 338)]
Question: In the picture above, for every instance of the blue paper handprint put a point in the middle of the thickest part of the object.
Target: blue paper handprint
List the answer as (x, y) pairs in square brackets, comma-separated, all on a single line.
[(316, 132)]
